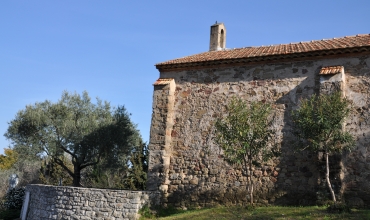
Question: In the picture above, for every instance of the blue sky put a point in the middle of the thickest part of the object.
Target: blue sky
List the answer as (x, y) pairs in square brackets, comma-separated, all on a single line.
[(109, 48)]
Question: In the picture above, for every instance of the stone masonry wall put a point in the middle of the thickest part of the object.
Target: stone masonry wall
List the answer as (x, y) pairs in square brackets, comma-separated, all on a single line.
[(160, 136), (63, 202), (197, 173), (355, 173)]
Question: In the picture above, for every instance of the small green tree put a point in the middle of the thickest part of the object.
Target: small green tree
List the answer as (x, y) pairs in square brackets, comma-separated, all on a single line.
[(319, 125), (244, 136)]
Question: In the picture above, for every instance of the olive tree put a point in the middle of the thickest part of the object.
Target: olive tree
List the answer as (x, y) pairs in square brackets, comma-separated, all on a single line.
[(319, 125), (73, 127), (244, 135)]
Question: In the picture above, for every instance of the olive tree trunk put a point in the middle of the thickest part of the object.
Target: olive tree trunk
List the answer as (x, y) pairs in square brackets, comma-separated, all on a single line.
[(327, 177), (77, 176)]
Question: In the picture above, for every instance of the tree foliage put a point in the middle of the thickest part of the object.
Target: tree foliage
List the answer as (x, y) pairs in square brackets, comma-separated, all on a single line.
[(137, 173), (319, 125), (131, 174), (52, 173), (244, 135), (102, 176), (8, 160), (76, 127)]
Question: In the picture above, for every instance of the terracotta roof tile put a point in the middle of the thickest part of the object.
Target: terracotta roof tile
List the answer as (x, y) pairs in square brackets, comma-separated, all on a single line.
[(300, 49), (162, 81), (331, 70)]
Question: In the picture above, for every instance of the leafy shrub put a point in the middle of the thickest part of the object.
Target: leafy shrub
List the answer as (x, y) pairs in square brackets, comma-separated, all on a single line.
[(10, 214), (14, 198), (146, 213), (338, 207)]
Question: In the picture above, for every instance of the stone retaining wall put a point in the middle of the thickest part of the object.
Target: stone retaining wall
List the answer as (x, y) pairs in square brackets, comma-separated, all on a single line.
[(63, 202)]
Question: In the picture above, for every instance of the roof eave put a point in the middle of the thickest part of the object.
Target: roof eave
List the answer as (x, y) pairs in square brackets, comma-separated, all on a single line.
[(262, 59)]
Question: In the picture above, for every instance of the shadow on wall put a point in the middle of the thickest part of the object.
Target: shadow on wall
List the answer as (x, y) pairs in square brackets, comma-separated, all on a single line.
[(349, 171), (355, 164), (155, 177), (298, 179), (356, 174), (303, 173), (190, 198), (293, 176)]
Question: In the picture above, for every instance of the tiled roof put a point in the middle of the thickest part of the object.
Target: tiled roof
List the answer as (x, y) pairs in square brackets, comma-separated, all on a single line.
[(347, 44), (162, 82), (331, 70)]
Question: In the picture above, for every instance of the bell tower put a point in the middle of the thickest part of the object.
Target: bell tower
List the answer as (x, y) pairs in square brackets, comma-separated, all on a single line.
[(218, 37)]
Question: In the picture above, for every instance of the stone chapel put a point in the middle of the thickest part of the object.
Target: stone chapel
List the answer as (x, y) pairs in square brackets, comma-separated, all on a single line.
[(188, 168)]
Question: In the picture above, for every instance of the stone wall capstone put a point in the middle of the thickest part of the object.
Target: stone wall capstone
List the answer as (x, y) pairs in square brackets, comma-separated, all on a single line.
[(64, 202)]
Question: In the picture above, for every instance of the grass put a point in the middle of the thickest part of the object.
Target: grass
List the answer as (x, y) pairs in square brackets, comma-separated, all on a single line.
[(260, 213)]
